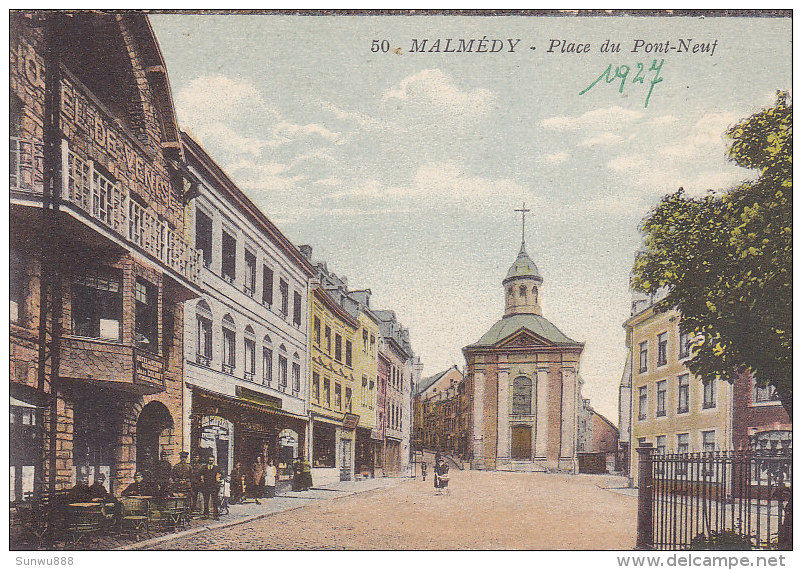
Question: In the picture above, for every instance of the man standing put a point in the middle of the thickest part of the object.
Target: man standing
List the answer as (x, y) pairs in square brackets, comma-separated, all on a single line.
[(182, 475), (162, 471), (210, 484)]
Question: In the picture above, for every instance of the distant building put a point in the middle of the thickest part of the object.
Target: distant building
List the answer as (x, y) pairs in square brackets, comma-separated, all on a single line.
[(598, 441), (397, 352), (522, 376), (758, 418), (438, 399)]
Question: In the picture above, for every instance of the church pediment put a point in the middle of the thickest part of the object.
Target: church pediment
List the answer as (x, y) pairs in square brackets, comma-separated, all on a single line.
[(523, 338)]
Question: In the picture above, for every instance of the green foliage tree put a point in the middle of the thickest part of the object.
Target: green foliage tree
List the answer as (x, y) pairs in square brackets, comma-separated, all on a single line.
[(726, 260)]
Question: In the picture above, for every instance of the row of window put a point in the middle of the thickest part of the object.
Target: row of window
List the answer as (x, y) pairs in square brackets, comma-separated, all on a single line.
[(396, 420), (708, 438), (324, 339), (228, 268), (229, 355), (323, 397), (396, 378), (662, 350), (367, 397), (683, 397), (522, 293)]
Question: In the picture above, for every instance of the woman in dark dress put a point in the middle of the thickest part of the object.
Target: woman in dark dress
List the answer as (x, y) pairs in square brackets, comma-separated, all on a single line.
[(441, 477)]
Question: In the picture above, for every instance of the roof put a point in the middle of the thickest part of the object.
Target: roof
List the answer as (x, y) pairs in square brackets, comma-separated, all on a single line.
[(426, 383), (523, 266), (510, 325)]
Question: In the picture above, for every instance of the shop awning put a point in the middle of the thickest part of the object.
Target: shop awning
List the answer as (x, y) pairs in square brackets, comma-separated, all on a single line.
[(249, 404)]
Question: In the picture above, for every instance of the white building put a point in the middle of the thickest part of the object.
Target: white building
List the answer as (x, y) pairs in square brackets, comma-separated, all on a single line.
[(245, 390)]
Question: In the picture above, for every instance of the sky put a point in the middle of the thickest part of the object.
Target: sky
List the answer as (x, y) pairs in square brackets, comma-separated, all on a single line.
[(402, 169)]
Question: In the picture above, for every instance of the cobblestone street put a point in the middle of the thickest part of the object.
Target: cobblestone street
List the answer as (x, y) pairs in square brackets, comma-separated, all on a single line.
[(485, 510)]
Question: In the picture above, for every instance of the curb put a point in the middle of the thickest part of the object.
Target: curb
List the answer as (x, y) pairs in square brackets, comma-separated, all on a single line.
[(226, 524)]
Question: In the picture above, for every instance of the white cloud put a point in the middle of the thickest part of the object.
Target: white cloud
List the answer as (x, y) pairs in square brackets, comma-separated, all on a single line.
[(627, 162), (222, 135), (596, 120), (433, 88), (707, 135), (286, 132), (216, 98), (555, 158), (602, 139)]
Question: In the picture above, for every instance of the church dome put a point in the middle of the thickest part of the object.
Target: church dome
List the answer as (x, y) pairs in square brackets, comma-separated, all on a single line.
[(523, 267)]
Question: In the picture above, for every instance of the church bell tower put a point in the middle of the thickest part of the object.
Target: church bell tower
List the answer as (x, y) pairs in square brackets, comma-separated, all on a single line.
[(523, 281)]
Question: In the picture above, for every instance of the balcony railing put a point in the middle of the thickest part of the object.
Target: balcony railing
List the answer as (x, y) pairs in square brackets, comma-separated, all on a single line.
[(102, 200)]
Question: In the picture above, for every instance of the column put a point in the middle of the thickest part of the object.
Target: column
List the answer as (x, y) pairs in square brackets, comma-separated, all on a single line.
[(478, 417), (541, 412), (503, 417), (568, 424)]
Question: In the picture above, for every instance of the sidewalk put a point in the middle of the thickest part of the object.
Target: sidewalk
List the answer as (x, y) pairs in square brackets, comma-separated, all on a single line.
[(287, 501)]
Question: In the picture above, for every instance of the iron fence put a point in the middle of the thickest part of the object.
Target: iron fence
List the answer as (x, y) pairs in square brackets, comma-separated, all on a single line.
[(717, 498)]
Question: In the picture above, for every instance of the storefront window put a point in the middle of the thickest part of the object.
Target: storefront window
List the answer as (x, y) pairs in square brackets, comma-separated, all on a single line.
[(323, 451), (216, 436)]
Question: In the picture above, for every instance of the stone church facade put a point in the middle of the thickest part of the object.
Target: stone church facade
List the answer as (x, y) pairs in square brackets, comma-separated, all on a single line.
[(523, 376)]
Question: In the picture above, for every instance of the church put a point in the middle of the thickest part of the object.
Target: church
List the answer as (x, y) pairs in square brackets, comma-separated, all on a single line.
[(523, 374)]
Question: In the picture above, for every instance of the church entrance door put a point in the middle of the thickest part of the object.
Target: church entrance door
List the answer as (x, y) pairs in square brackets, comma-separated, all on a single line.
[(521, 443)]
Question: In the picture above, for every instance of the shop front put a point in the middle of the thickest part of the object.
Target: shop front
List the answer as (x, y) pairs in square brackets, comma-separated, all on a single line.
[(365, 465), (324, 450), (241, 429), (392, 456)]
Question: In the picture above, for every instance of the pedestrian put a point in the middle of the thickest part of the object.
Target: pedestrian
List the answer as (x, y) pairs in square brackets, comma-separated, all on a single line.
[(441, 477), (306, 475), (270, 479), (257, 480), (423, 468), (210, 487), (161, 472), (194, 480), (182, 476), (237, 482)]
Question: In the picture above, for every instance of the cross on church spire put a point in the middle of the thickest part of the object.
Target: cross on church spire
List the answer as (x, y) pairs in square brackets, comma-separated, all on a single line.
[(523, 209)]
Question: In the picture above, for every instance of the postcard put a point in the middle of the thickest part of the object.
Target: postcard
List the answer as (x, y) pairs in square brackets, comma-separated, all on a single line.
[(400, 280)]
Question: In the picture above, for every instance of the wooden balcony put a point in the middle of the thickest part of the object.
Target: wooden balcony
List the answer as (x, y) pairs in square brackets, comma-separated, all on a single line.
[(112, 364), (93, 196)]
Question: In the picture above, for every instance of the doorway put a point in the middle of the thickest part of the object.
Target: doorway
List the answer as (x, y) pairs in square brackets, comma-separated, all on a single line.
[(521, 443)]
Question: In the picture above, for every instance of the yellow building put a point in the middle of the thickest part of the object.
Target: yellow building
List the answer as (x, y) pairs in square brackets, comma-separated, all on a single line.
[(331, 398), (366, 383), (671, 408)]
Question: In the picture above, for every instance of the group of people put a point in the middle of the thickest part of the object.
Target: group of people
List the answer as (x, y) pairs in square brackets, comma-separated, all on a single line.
[(255, 483)]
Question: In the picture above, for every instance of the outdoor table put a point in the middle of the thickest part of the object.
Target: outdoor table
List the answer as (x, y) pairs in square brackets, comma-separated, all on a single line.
[(84, 505)]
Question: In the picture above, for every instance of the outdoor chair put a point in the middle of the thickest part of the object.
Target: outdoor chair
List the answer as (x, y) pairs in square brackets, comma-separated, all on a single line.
[(175, 512), (33, 522), (83, 521), (136, 516)]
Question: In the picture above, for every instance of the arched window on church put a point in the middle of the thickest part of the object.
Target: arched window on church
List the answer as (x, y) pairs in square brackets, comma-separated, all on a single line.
[(509, 292), (522, 396), (522, 292), (534, 294)]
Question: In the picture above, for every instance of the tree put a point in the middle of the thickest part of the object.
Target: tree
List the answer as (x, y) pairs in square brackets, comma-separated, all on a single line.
[(726, 260)]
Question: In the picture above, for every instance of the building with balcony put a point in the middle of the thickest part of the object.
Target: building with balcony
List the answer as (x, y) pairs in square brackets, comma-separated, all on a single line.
[(246, 373), (100, 261), (523, 380)]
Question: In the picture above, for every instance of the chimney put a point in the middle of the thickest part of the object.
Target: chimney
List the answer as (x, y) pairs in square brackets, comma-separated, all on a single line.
[(306, 251)]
